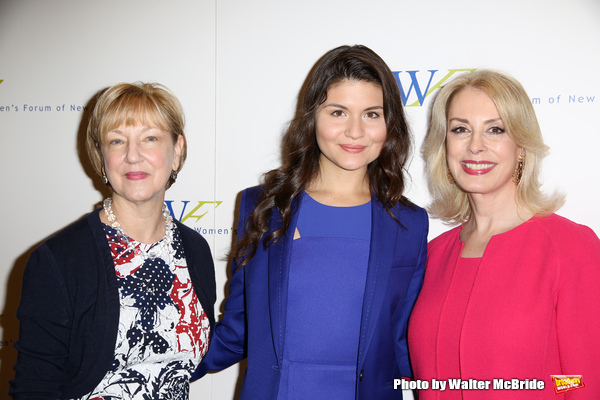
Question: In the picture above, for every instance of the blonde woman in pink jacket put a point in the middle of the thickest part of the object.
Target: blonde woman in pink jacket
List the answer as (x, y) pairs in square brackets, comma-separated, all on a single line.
[(510, 295)]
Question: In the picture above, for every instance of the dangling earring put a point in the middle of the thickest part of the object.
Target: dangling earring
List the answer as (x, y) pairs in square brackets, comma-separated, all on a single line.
[(518, 170), (104, 178), (174, 176), (450, 177)]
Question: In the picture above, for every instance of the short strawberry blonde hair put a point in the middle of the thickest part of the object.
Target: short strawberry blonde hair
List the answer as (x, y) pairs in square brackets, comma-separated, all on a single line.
[(129, 104)]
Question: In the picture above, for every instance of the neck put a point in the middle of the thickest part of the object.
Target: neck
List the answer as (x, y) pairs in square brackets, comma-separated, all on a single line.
[(340, 188), (142, 222), (494, 214)]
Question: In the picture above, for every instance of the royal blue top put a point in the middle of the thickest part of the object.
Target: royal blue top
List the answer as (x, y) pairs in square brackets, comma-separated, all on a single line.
[(328, 271)]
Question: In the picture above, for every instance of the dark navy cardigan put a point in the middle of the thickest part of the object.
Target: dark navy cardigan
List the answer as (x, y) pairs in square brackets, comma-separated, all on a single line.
[(69, 310)]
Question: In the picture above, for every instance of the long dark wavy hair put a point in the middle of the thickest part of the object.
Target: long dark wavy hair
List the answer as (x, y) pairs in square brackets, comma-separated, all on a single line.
[(300, 152)]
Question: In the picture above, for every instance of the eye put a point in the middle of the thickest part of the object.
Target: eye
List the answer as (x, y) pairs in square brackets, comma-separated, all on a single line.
[(459, 130), (151, 138), (372, 114), (496, 130), (115, 141), (338, 113)]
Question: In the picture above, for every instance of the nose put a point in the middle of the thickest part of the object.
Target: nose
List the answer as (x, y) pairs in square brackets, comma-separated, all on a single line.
[(133, 154), (355, 129), (476, 144)]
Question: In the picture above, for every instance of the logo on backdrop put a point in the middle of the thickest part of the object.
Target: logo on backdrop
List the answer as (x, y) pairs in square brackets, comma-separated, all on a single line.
[(36, 107), (421, 84), (198, 215), (416, 86)]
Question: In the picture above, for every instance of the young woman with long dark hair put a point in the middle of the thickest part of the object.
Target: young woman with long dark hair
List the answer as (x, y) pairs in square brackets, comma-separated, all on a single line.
[(330, 254)]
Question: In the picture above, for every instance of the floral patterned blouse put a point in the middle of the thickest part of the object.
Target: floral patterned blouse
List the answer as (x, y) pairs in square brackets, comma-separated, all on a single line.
[(163, 330)]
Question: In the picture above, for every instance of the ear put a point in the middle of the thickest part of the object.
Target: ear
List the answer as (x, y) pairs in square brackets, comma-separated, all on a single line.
[(177, 152)]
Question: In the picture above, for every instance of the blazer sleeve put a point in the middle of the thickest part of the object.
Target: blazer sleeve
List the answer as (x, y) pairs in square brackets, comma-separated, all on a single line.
[(228, 343), (414, 288), (45, 327), (578, 308)]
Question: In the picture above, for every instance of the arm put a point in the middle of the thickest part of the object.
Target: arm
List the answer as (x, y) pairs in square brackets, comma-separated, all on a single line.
[(578, 310), (45, 327), (401, 322), (228, 342)]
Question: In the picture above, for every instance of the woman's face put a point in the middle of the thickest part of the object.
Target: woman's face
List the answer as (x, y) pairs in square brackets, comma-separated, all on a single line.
[(351, 126), (138, 161), (481, 156)]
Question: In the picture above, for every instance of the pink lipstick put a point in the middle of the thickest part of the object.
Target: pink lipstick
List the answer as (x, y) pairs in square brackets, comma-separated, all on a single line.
[(136, 175), (473, 167), (352, 148)]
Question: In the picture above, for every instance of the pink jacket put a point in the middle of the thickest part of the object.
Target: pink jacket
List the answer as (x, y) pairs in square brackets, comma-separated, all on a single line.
[(531, 310)]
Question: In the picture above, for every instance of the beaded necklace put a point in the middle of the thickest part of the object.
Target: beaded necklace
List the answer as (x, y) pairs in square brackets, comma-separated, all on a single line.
[(153, 251)]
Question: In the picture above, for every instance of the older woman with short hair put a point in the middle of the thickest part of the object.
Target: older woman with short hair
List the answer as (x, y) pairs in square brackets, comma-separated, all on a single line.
[(511, 293), (120, 303)]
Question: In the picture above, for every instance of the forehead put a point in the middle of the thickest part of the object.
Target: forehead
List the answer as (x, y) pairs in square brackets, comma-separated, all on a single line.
[(132, 117), (472, 102), (351, 89)]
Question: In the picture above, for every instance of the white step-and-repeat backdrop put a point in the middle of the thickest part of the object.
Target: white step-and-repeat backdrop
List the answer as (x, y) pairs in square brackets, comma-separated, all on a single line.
[(237, 67)]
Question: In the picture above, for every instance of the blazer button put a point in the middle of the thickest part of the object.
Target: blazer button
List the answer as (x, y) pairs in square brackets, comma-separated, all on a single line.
[(362, 371)]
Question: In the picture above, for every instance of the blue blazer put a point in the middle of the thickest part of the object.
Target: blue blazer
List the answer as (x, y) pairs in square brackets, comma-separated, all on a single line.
[(253, 324)]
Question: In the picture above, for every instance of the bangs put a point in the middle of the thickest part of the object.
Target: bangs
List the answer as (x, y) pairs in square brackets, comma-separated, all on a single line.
[(132, 111)]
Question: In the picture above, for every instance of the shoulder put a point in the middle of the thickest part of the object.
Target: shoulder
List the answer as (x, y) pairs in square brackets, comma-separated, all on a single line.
[(555, 221), (411, 216), (78, 234), (193, 241), (562, 232), (189, 234), (251, 195), (249, 200), (447, 236), (444, 241), (71, 252)]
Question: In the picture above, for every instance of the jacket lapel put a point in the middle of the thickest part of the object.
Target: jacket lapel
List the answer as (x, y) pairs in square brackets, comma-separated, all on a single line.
[(279, 264), (383, 241)]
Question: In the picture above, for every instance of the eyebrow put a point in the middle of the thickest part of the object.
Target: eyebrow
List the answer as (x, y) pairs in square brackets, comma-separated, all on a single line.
[(145, 128), (345, 108), (466, 121)]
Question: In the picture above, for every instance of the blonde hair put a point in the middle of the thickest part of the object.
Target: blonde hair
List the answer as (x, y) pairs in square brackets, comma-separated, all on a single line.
[(449, 202), (130, 104)]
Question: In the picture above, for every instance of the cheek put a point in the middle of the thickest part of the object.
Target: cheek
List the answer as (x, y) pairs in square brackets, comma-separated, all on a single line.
[(452, 149), (161, 159), (325, 132), (378, 135), (110, 161)]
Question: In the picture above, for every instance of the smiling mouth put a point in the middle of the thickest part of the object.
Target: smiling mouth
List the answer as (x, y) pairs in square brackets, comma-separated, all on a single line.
[(136, 175), (478, 167), (352, 148)]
